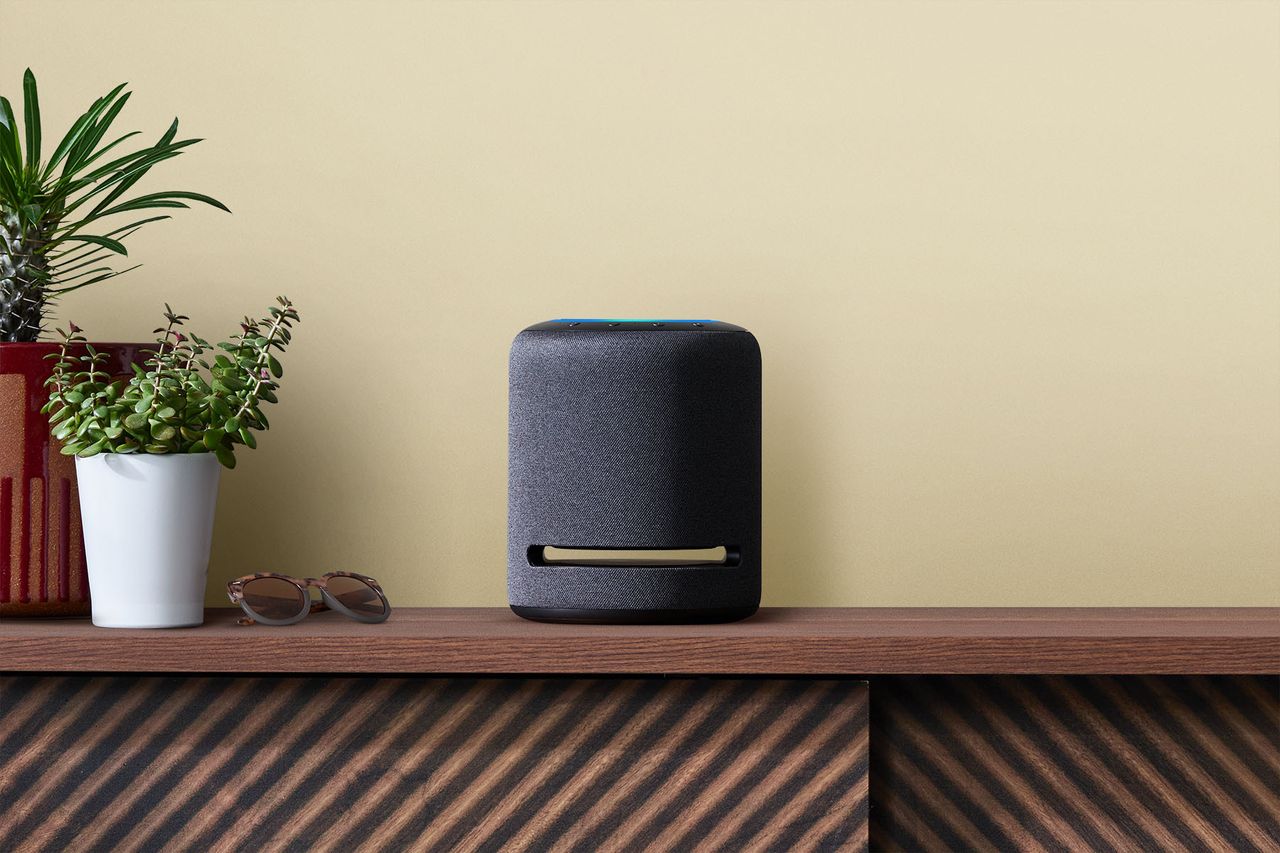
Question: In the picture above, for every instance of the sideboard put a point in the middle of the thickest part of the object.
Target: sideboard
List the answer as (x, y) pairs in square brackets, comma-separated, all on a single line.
[(799, 729)]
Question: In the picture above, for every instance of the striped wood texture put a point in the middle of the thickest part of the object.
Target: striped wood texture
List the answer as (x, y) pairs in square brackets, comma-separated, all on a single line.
[(1092, 763), (337, 764)]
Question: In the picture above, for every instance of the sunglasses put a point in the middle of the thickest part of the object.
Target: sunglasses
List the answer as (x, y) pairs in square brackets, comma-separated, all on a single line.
[(273, 599)]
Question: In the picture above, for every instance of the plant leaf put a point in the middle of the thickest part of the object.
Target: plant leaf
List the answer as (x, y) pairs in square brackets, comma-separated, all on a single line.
[(106, 242), (77, 129), (127, 170), (31, 108), (70, 255), (104, 149), (162, 199), (138, 204), (213, 438), (93, 449), (92, 135), (165, 148), (10, 147), (70, 184), (57, 291)]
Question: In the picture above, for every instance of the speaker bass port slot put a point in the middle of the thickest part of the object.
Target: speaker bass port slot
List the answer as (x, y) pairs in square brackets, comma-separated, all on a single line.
[(556, 555)]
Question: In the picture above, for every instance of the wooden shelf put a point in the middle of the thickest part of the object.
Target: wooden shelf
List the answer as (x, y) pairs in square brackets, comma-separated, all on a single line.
[(777, 641)]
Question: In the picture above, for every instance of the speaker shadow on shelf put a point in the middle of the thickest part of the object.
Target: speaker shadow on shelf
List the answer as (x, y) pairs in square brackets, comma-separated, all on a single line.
[(795, 560)]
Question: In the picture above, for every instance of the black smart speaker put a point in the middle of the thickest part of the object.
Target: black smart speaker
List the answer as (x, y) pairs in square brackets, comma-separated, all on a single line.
[(634, 490)]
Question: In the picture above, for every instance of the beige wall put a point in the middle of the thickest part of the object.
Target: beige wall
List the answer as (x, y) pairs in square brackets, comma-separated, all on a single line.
[(1015, 268)]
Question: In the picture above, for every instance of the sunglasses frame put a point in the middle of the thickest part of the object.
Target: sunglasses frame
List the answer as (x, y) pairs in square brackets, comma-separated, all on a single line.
[(235, 592)]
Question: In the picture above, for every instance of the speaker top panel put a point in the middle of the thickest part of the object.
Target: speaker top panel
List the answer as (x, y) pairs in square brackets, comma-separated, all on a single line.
[(632, 324)]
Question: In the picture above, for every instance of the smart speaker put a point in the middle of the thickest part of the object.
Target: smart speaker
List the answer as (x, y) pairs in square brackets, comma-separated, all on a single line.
[(634, 472)]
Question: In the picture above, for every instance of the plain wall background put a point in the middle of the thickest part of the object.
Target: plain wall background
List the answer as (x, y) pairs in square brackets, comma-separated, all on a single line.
[(1014, 267)]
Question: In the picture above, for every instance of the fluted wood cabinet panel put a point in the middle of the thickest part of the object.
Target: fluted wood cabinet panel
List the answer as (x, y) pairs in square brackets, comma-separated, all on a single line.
[(337, 764), (1076, 763)]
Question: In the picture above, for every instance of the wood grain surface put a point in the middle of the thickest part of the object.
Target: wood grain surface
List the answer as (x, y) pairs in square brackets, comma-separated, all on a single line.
[(174, 764), (777, 641), (1059, 763)]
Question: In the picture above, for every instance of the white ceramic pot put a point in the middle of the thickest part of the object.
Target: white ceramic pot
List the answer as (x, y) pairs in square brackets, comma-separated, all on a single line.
[(148, 525)]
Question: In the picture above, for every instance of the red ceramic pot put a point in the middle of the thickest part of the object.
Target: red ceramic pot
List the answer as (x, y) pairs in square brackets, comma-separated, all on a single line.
[(42, 567)]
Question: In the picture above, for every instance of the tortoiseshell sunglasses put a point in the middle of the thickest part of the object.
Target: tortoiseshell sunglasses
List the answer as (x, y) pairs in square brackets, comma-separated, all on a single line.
[(274, 599)]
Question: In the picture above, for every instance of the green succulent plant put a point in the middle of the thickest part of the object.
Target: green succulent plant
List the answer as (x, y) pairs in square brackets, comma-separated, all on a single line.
[(51, 209), (179, 400)]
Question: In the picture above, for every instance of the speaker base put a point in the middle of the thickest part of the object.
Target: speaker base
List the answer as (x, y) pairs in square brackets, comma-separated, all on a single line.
[(579, 616)]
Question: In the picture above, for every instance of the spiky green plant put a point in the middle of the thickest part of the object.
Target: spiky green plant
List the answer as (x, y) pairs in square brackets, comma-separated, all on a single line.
[(52, 237)]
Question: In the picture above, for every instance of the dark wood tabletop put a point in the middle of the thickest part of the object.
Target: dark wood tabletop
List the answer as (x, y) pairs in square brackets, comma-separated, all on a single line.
[(777, 641)]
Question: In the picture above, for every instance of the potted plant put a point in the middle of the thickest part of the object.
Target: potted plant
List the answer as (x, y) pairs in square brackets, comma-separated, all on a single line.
[(65, 211), (148, 452)]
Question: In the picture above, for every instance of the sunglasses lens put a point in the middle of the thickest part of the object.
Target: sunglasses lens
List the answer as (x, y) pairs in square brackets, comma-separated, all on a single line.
[(355, 595), (274, 598)]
